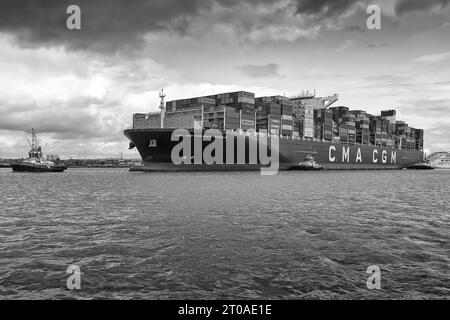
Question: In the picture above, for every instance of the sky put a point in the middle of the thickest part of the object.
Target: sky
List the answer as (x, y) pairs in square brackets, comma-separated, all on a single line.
[(79, 88)]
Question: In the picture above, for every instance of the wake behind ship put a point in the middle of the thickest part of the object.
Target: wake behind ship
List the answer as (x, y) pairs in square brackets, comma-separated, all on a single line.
[(236, 131)]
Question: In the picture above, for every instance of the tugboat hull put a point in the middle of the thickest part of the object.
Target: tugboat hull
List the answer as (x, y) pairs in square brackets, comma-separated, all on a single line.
[(420, 166), (23, 167), (307, 168)]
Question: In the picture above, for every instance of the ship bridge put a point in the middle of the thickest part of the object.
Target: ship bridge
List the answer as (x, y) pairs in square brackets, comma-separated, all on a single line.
[(309, 98)]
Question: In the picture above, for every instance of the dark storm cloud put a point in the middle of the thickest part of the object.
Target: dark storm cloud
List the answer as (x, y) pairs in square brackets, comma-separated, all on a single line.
[(406, 6), (260, 71), (353, 29), (106, 25), (324, 8), (110, 25)]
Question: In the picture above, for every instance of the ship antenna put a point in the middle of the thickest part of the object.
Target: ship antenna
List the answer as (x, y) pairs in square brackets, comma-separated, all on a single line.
[(162, 107), (33, 139)]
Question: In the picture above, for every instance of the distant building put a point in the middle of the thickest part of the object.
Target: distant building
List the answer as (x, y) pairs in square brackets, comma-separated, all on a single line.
[(52, 157)]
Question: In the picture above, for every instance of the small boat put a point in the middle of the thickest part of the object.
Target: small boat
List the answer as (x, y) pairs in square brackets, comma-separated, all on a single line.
[(422, 165), (37, 166), (309, 164), (36, 162)]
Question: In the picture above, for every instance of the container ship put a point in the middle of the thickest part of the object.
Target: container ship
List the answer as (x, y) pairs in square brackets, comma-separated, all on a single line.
[(235, 131)]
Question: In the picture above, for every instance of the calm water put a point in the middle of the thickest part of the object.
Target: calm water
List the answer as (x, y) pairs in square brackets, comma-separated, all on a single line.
[(297, 235)]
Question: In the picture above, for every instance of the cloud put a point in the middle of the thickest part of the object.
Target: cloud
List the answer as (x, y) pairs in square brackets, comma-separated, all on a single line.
[(419, 100), (109, 26), (442, 83), (406, 6), (73, 95), (433, 118), (106, 25), (248, 22), (68, 120), (381, 45), (346, 45), (435, 58), (389, 82), (261, 71), (78, 101), (324, 8), (353, 29), (433, 107)]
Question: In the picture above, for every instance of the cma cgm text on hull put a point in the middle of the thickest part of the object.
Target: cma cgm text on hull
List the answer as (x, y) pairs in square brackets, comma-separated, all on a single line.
[(386, 157)]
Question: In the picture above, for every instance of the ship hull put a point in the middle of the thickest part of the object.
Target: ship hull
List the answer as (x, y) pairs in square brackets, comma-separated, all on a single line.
[(24, 167), (155, 147)]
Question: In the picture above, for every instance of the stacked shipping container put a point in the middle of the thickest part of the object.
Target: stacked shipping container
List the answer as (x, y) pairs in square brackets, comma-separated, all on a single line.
[(303, 113), (298, 117), (362, 126), (346, 122), (268, 115), (323, 124)]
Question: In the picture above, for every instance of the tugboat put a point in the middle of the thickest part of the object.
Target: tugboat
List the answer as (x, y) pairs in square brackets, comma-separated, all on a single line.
[(36, 162), (308, 164), (422, 165)]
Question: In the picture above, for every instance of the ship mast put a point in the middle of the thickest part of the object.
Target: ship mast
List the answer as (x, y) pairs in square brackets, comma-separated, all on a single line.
[(162, 107), (35, 151), (33, 139)]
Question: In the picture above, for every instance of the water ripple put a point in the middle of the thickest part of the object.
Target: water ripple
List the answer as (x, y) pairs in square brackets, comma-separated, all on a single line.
[(297, 235)]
